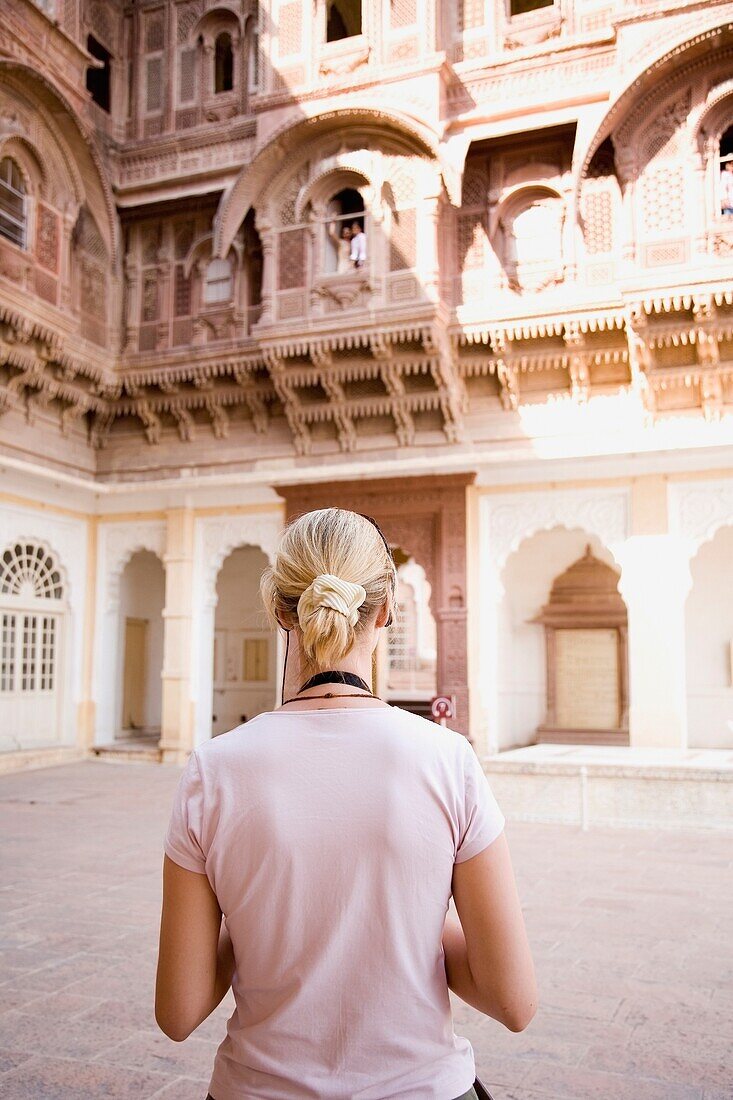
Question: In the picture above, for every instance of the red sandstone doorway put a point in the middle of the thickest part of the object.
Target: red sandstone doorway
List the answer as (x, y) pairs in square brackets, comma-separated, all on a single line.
[(425, 517)]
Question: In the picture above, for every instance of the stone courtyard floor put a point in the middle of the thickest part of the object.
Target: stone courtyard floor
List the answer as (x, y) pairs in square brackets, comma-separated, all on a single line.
[(631, 932)]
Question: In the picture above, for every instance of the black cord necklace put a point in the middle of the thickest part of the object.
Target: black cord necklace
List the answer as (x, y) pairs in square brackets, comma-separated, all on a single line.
[(349, 678), (346, 678)]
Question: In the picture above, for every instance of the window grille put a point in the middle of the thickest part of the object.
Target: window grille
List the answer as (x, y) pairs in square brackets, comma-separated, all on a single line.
[(402, 13), (154, 84), (48, 653), (28, 660), (182, 293), (402, 243), (26, 569), (598, 222), (13, 203), (291, 264), (471, 233), (187, 75), (154, 34)]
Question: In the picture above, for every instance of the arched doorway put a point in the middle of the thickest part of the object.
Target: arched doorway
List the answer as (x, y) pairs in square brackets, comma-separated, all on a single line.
[(410, 661), (140, 648), (33, 612), (245, 655), (709, 645), (527, 581)]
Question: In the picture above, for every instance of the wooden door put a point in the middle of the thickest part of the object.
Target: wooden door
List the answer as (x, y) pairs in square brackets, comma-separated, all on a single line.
[(134, 677)]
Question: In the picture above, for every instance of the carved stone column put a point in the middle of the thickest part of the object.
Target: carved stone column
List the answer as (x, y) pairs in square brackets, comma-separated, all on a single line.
[(268, 272), (66, 298), (131, 319)]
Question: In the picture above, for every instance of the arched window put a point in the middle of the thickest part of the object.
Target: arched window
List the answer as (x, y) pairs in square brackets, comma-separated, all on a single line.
[(223, 64), (31, 589), (218, 284), (343, 20), (13, 204), (27, 570), (726, 173), (345, 238)]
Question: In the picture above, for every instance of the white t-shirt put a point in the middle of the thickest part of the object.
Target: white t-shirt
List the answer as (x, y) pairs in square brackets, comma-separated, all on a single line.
[(329, 838)]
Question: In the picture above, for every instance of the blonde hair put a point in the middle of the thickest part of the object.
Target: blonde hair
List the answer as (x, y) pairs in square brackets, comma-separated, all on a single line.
[(339, 543)]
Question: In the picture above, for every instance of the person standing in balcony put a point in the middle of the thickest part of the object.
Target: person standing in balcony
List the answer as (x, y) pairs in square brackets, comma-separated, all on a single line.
[(358, 245), (726, 185), (340, 234)]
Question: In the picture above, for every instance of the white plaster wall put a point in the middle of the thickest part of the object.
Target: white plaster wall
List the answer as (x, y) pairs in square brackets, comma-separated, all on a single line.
[(709, 634), (527, 580), (66, 538), (142, 596), (239, 609)]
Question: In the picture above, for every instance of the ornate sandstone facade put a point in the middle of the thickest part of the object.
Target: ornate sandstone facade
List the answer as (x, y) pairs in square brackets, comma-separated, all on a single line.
[(540, 324)]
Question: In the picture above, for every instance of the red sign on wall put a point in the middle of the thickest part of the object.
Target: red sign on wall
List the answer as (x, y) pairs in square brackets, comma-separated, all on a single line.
[(443, 707)]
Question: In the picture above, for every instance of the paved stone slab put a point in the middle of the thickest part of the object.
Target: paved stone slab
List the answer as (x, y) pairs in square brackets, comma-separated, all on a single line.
[(629, 929)]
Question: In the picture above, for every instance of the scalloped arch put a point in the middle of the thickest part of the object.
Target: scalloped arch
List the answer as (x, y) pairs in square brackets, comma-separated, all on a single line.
[(555, 525), (121, 561), (666, 65), (255, 177)]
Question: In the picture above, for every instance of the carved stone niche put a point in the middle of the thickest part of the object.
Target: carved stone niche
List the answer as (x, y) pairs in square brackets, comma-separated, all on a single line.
[(585, 625)]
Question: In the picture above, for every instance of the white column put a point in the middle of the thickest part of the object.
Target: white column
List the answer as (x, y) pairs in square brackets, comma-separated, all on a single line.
[(177, 733), (655, 581)]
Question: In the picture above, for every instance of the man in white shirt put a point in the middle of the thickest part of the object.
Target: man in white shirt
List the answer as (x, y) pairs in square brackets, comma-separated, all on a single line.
[(726, 185), (358, 245)]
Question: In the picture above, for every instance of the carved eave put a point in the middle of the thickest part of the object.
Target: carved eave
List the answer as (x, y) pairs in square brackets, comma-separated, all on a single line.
[(349, 339), (534, 328), (38, 372), (150, 410), (64, 347), (682, 352)]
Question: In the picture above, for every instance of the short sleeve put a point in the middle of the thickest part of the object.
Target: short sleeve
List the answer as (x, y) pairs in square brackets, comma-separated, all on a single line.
[(183, 839), (483, 821)]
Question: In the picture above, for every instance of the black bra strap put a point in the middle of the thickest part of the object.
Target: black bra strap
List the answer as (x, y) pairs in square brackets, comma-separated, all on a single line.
[(349, 678)]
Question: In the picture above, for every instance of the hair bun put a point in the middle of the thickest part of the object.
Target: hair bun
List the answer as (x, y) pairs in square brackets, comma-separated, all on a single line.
[(326, 590)]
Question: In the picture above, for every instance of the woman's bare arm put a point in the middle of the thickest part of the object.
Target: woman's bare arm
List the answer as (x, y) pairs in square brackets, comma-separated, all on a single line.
[(488, 961), (195, 957)]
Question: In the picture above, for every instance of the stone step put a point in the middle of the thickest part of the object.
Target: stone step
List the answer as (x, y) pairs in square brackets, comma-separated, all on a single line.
[(129, 752)]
